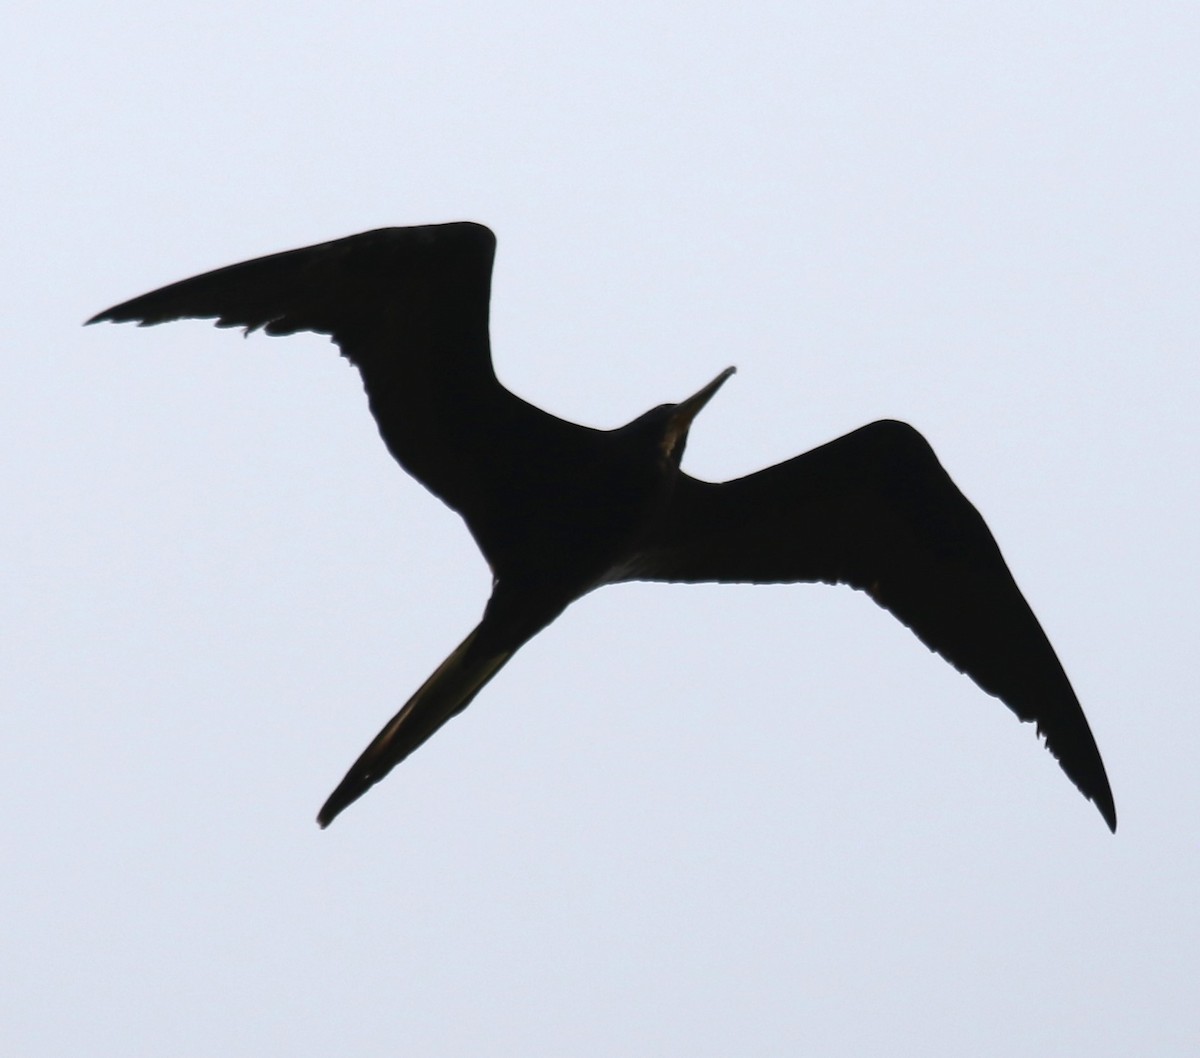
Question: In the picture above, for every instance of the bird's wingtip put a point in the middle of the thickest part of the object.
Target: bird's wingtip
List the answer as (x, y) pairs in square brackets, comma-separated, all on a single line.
[(117, 314), (1109, 811), (1100, 794)]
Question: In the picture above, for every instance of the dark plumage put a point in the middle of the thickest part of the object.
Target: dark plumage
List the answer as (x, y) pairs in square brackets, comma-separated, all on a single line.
[(559, 509)]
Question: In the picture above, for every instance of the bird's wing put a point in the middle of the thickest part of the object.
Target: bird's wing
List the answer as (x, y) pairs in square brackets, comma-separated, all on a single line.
[(876, 510), (407, 306)]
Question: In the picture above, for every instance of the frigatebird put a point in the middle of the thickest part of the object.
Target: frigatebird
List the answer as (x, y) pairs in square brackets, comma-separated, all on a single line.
[(559, 509)]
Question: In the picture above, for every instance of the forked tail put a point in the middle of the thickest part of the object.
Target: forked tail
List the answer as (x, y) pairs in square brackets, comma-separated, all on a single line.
[(445, 694)]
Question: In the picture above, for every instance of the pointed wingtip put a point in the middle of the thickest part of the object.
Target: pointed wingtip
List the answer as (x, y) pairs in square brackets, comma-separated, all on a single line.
[(1108, 810), (1092, 780), (1097, 790), (117, 314)]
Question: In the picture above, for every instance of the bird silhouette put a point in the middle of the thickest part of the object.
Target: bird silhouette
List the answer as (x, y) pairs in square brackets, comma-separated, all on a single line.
[(559, 509)]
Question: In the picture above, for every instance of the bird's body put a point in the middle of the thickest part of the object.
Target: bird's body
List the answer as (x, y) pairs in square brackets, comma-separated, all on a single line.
[(559, 509)]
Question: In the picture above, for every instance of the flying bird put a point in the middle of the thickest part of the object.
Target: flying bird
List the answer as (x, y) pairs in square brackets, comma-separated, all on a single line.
[(559, 509)]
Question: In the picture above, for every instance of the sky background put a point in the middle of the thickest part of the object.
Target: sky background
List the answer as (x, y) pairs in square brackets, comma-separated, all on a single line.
[(695, 821)]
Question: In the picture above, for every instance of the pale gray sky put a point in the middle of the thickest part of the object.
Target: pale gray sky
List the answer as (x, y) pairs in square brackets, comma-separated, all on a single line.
[(684, 821)]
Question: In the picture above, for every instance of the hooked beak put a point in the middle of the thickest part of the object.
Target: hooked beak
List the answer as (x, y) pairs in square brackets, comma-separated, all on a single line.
[(681, 420)]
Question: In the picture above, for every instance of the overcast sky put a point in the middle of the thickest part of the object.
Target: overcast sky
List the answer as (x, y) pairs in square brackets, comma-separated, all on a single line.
[(701, 821)]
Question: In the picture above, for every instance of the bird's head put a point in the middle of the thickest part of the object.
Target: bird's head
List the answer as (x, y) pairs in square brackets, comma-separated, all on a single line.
[(677, 418), (666, 427)]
